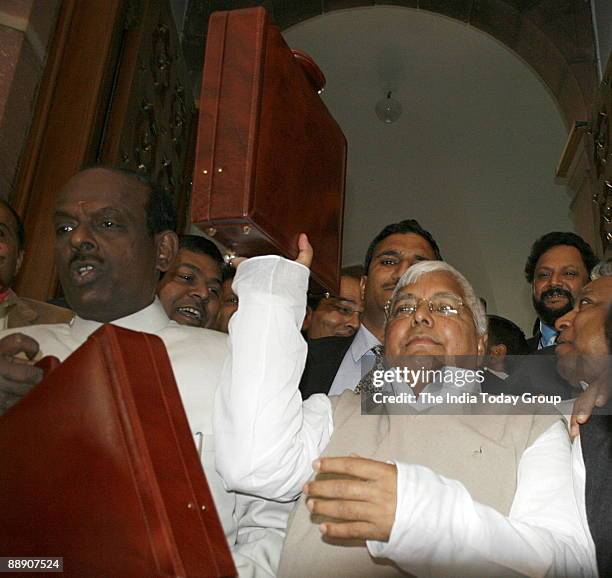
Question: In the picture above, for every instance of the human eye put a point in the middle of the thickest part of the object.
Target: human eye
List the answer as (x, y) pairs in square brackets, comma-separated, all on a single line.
[(232, 300), (63, 228), (584, 302), (571, 273), (446, 306), (404, 309), (542, 274), (388, 261), (214, 290), (109, 224), (185, 276)]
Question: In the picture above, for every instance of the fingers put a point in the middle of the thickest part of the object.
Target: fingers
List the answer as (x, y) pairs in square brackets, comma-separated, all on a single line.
[(18, 378), (574, 428), (583, 408), (352, 530), (367, 503), (603, 396), (343, 509), (16, 343), (343, 489), (357, 467), (305, 251)]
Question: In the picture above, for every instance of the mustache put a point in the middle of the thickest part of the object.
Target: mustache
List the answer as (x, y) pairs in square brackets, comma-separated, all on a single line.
[(548, 315), (84, 257), (557, 292)]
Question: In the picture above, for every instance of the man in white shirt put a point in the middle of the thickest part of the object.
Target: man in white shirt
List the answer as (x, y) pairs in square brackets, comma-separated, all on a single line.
[(190, 290), (412, 513), (114, 234)]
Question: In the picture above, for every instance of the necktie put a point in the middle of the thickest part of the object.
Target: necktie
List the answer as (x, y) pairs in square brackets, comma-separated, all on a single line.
[(366, 384)]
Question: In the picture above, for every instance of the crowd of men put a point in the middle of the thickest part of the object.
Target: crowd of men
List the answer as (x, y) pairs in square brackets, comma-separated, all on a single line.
[(416, 490)]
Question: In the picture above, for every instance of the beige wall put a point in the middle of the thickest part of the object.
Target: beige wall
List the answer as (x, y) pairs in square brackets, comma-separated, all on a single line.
[(472, 157)]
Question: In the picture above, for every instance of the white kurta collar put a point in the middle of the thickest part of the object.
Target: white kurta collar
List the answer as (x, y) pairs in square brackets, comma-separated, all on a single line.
[(151, 319)]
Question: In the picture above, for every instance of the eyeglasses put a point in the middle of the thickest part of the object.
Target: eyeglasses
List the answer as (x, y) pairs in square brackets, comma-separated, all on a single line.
[(439, 305), (343, 310), (337, 303)]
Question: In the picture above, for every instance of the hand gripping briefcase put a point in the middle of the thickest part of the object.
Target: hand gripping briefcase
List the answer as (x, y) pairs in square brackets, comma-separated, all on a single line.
[(97, 465), (270, 159)]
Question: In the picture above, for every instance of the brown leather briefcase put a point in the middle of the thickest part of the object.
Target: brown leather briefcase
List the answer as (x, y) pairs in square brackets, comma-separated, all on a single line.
[(270, 159), (97, 465)]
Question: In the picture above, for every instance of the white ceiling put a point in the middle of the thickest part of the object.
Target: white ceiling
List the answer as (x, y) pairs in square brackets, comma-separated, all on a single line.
[(472, 157)]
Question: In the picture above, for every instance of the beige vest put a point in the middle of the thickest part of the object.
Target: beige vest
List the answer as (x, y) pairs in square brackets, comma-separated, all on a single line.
[(481, 451)]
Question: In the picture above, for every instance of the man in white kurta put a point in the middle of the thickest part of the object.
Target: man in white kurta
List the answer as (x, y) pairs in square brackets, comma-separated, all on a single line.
[(113, 236), (267, 439)]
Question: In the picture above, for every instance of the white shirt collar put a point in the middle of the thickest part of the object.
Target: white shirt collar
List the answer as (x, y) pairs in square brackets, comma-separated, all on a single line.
[(151, 319), (548, 335), (363, 342)]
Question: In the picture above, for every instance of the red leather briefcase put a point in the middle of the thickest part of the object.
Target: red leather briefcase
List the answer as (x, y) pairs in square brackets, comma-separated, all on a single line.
[(270, 159), (97, 465)]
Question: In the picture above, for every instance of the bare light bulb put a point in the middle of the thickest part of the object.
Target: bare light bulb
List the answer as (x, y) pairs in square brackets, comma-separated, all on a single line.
[(388, 109)]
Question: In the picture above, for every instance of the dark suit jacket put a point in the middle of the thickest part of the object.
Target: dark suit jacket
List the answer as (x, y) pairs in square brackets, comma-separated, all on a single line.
[(533, 342), (493, 384), (537, 374), (596, 441), (324, 358)]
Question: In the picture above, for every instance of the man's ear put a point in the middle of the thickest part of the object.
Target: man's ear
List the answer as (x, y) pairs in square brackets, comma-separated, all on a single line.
[(167, 246), (481, 344), (362, 286), (499, 350)]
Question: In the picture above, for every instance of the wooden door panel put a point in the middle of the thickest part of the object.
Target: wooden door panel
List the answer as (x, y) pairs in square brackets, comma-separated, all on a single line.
[(152, 115), (114, 91)]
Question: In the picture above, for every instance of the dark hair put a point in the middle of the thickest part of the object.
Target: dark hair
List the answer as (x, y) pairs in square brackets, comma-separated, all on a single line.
[(406, 226), (228, 272), (503, 331), (553, 239), (161, 214), (198, 244), (159, 208), (18, 221)]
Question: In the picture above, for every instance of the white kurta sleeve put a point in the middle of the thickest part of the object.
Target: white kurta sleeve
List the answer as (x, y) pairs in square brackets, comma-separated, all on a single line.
[(440, 530), (266, 439)]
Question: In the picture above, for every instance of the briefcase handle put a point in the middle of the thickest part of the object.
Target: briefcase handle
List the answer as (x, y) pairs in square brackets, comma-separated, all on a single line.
[(313, 73)]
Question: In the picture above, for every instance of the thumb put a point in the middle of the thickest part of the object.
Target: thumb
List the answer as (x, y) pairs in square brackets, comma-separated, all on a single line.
[(305, 251)]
